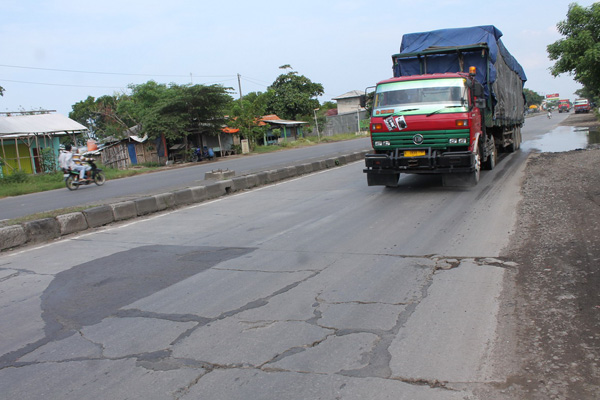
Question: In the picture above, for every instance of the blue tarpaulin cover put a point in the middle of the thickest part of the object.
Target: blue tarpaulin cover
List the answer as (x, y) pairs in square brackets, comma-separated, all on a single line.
[(500, 64)]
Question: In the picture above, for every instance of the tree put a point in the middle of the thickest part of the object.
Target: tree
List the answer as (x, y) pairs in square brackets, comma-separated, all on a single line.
[(100, 116), (177, 110), (578, 53), (245, 115), (292, 95), (532, 97)]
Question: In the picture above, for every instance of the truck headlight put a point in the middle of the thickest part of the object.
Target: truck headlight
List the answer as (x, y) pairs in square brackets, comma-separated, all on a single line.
[(453, 140), (379, 143), (463, 140), (386, 143)]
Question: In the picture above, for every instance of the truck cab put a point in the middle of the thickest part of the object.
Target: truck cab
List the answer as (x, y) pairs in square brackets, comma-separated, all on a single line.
[(426, 124)]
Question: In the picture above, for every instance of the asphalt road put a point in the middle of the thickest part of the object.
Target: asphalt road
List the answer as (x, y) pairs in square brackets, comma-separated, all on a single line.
[(317, 287), (168, 180)]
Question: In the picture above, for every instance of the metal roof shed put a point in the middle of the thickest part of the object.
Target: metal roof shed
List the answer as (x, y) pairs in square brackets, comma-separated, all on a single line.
[(25, 131)]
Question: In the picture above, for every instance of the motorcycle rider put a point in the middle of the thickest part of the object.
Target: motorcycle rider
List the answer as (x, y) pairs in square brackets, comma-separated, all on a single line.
[(66, 162)]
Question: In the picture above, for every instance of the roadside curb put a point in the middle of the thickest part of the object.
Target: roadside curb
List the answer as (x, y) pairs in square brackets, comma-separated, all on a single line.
[(43, 230)]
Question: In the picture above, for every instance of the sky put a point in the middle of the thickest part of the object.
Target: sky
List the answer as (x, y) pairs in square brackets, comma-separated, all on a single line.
[(55, 53)]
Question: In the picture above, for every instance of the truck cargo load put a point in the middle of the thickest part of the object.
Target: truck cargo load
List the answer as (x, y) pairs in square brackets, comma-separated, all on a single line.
[(457, 49)]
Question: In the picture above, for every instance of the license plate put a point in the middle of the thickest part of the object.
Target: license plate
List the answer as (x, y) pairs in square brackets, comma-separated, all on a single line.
[(414, 153)]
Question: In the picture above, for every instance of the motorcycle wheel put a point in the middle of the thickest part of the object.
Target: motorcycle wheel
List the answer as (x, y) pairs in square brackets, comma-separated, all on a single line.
[(99, 179), (70, 183)]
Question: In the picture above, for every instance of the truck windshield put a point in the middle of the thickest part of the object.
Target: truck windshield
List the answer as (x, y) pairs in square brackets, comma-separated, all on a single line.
[(419, 94)]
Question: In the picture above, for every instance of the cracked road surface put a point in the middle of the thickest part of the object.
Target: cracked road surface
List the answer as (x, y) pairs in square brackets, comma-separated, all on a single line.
[(314, 288)]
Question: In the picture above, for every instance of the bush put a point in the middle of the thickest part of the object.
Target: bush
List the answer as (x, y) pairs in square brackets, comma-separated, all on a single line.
[(18, 176)]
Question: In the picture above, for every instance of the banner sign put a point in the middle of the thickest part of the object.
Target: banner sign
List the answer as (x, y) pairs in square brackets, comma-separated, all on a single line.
[(552, 96)]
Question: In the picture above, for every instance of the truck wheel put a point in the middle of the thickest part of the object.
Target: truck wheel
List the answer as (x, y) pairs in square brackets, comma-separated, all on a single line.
[(516, 137), (490, 163)]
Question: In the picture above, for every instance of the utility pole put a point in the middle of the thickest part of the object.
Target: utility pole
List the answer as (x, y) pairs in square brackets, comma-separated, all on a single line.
[(240, 86), (317, 124)]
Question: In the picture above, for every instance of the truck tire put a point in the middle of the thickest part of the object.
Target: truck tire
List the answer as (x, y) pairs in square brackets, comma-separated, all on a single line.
[(516, 136), (490, 163)]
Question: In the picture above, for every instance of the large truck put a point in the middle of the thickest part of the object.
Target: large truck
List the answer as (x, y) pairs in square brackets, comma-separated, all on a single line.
[(564, 105), (455, 101)]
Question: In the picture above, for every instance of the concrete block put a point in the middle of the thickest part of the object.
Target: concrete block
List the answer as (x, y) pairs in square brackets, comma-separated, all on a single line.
[(146, 205), (262, 178), (218, 189), (199, 194), (124, 210), (183, 196), (71, 223), (219, 175), (306, 168), (330, 163), (41, 230), (99, 216), (239, 183), (12, 236), (276, 175), (252, 181), (290, 172), (165, 201), (342, 160), (318, 165)]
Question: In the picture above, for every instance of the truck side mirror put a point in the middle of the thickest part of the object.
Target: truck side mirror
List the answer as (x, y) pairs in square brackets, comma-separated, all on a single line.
[(478, 90), (480, 103), (363, 100)]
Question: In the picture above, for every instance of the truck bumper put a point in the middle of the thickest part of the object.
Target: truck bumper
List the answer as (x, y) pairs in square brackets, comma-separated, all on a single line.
[(433, 162)]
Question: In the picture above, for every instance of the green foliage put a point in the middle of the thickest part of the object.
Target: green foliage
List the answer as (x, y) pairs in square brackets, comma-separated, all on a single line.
[(237, 148), (532, 97), (245, 115), (101, 117), (177, 111), (292, 95), (47, 160), (578, 53), (17, 176)]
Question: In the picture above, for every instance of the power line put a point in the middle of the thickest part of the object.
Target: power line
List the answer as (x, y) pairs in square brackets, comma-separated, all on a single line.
[(113, 73), (62, 84)]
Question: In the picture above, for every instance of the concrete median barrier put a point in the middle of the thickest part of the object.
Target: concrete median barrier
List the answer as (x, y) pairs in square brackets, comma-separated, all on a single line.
[(71, 223), (12, 236), (41, 230), (146, 205), (99, 216), (124, 210)]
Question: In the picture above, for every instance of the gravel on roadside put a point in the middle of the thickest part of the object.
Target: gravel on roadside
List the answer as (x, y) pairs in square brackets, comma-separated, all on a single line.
[(557, 293)]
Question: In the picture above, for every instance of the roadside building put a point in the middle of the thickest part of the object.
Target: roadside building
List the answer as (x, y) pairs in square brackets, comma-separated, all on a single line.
[(30, 141)]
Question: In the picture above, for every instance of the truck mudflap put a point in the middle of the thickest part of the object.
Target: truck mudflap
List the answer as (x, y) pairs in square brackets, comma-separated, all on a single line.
[(432, 162)]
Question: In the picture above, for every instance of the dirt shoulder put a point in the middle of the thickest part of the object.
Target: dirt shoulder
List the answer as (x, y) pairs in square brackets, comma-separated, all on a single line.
[(557, 247)]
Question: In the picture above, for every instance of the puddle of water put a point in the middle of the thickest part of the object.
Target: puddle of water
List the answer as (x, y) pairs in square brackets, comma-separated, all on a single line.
[(563, 138)]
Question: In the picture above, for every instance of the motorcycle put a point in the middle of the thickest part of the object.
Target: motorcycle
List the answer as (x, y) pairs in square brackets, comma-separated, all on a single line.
[(549, 114), (94, 175), (203, 153)]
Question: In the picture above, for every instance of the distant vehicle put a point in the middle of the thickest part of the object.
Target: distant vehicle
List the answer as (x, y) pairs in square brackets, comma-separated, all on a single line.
[(564, 105), (582, 106)]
